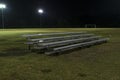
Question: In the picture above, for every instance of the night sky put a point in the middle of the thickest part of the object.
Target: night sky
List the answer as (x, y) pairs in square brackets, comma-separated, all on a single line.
[(61, 12)]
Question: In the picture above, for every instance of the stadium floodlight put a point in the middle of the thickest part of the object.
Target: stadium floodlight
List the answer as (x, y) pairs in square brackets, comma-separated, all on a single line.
[(2, 7), (40, 11)]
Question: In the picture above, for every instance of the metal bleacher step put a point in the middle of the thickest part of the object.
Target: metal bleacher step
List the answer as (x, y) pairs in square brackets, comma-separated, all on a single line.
[(65, 42), (73, 46), (52, 34), (60, 38)]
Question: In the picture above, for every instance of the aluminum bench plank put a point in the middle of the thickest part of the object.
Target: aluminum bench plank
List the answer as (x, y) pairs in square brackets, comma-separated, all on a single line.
[(85, 44), (52, 34), (60, 38), (65, 42)]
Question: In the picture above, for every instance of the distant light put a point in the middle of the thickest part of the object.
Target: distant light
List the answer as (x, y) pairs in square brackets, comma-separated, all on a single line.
[(40, 11), (2, 6)]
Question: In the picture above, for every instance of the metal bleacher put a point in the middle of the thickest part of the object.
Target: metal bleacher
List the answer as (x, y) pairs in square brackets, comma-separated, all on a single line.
[(60, 42)]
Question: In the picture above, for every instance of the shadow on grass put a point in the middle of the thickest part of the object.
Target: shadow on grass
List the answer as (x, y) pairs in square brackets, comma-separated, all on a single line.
[(14, 52)]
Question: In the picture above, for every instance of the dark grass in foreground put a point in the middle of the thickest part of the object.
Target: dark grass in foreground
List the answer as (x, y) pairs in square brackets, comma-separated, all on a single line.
[(101, 62)]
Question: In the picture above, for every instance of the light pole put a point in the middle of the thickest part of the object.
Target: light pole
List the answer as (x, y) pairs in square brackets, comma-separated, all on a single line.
[(2, 7), (40, 11)]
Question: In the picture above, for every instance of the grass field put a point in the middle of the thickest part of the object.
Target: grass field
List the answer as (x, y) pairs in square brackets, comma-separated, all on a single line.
[(101, 62)]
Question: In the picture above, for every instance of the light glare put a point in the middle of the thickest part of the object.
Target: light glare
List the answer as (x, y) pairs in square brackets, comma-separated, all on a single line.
[(40, 11), (2, 6)]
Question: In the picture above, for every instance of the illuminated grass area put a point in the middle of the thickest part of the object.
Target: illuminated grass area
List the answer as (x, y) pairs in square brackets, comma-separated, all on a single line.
[(101, 62)]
